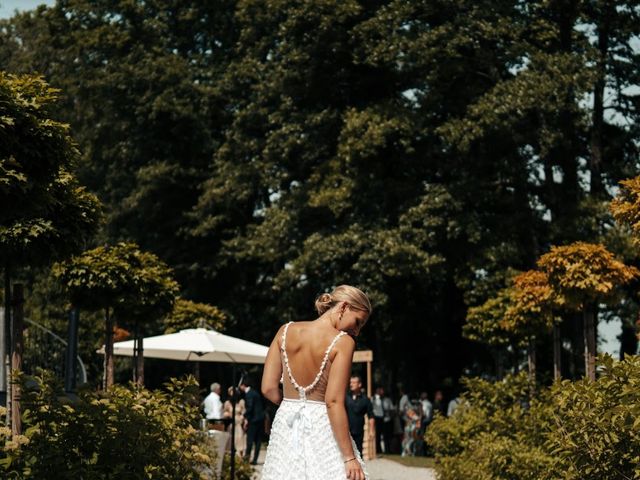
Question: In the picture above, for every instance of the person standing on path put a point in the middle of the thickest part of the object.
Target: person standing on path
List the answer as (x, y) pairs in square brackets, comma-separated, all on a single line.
[(310, 432), (240, 440), (213, 406), (253, 419), (358, 405), (382, 409)]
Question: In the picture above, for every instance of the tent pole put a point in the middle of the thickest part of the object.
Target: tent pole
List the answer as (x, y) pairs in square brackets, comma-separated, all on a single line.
[(233, 425)]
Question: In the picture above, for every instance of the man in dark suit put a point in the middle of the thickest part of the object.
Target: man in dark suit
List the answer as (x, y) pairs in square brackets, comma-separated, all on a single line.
[(253, 419), (358, 405)]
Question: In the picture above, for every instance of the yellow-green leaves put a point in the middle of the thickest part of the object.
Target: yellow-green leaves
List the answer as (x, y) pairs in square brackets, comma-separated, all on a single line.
[(585, 273), (188, 314), (626, 206)]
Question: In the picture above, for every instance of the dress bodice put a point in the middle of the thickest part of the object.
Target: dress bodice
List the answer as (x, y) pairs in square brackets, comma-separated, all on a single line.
[(317, 388)]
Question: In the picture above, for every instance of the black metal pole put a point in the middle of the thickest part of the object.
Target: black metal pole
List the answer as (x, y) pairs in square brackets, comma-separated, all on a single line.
[(70, 364), (5, 362), (232, 460)]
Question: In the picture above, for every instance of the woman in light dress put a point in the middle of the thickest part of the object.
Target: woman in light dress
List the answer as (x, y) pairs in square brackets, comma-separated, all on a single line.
[(239, 435), (310, 433)]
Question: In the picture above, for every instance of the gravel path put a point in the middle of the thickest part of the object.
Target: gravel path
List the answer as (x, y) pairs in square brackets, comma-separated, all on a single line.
[(382, 469), (379, 469)]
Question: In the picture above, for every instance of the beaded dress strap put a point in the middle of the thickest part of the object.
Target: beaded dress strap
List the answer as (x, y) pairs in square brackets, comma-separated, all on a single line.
[(302, 391)]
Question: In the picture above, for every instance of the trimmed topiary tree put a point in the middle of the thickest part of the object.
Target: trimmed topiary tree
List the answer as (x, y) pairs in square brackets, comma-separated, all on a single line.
[(188, 314), (583, 275), (531, 312), (135, 285)]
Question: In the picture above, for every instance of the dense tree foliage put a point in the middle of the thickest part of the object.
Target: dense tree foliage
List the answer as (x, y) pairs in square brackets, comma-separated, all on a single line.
[(131, 285), (188, 314), (44, 212), (270, 149)]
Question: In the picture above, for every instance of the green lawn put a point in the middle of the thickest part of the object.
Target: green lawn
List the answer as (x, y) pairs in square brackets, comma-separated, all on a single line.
[(424, 462)]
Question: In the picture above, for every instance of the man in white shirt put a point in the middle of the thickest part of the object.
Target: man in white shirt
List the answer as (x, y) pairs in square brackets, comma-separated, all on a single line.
[(212, 404)]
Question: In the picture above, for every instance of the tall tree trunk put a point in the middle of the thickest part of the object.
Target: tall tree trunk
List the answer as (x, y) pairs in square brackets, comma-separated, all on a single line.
[(498, 354), (108, 350), (531, 361), (5, 338), (590, 342), (595, 161), (17, 341), (557, 353), (71, 353), (577, 346), (139, 377)]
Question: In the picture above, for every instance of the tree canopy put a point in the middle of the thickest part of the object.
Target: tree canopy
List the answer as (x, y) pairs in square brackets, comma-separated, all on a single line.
[(269, 149)]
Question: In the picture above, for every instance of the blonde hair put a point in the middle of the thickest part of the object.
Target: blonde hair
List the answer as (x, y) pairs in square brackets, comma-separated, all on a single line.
[(355, 297)]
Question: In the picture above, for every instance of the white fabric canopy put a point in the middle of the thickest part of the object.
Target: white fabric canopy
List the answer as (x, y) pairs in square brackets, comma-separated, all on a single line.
[(197, 344)]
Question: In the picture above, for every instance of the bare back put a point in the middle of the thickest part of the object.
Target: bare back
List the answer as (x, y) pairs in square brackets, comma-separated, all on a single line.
[(306, 353)]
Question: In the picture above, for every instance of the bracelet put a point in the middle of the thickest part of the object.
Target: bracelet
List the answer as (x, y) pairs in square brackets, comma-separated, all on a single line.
[(352, 458)]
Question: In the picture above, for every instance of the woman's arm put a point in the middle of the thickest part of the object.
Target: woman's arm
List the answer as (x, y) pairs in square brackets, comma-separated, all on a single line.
[(273, 372), (335, 394)]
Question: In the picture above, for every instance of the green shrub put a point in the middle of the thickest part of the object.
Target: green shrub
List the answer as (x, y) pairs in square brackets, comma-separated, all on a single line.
[(244, 470), (126, 432), (494, 434), (573, 430), (596, 425)]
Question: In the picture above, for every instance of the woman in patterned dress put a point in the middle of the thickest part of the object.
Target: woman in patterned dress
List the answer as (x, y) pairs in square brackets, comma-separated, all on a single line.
[(227, 412)]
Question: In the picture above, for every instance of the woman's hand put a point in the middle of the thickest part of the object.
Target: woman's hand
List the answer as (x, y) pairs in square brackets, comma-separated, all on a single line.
[(354, 470)]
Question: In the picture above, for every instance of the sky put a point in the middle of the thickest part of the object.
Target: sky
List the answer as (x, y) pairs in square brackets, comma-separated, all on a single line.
[(606, 332), (7, 7)]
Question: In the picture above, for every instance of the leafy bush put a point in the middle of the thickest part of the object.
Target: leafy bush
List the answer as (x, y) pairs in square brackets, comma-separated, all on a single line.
[(573, 430), (126, 432), (244, 470), (494, 433), (596, 425)]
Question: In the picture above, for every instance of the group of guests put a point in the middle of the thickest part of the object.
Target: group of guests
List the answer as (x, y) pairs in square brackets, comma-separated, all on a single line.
[(399, 428), (249, 417)]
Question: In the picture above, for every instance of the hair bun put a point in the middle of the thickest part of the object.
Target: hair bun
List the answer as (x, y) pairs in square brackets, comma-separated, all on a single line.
[(323, 303)]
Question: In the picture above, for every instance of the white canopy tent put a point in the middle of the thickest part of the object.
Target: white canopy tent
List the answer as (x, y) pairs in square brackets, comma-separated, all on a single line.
[(198, 345)]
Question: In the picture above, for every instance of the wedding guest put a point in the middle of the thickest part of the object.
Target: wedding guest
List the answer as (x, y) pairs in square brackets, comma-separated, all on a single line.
[(240, 436)]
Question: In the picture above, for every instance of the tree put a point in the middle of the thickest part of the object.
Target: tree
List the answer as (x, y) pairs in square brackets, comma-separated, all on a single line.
[(486, 323), (585, 275), (142, 98), (626, 206), (417, 149), (188, 314), (531, 313), (44, 212), (119, 279)]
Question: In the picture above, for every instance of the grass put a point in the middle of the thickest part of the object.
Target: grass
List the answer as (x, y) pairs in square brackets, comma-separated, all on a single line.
[(423, 462)]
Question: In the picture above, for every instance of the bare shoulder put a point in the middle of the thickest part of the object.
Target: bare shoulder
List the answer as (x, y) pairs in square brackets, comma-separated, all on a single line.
[(278, 336), (345, 344)]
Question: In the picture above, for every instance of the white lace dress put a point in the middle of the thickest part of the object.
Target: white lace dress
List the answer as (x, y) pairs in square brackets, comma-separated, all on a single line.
[(302, 445)]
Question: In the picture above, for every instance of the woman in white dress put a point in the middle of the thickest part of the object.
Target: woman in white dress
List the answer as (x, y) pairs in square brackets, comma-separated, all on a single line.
[(310, 437)]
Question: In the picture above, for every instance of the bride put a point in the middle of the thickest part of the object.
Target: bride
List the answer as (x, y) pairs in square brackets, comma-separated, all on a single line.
[(310, 434)]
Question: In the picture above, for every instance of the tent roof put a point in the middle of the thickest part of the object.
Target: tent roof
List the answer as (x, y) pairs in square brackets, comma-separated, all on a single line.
[(197, 344)]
